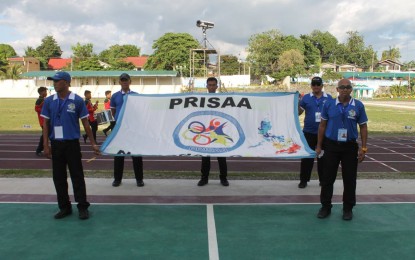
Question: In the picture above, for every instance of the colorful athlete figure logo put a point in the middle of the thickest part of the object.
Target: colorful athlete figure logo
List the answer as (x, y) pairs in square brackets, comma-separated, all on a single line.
[(203, 135), (208, 132)]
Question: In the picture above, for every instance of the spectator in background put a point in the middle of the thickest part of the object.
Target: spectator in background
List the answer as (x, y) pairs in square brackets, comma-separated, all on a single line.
[(91, 118), (107, 106), (38, 108)]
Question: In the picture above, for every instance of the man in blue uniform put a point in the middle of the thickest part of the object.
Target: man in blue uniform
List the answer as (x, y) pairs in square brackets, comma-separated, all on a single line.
[(337, 135), (312, 104), (212, 85), (116, 104), (62, 112)]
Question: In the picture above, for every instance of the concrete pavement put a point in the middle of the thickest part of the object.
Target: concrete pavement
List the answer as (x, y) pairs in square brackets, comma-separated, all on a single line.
[(186, 187)]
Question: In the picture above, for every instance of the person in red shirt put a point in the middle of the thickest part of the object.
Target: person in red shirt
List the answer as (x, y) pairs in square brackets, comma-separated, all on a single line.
[(38, 108), (91, 118), (107, 106)]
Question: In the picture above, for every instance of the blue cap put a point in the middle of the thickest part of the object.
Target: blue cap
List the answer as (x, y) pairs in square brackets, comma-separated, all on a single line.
[(125, 76), (61, 75)]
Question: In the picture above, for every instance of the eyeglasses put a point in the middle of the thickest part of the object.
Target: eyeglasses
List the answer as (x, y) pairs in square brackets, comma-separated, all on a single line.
[(316, 84), (345, 87)]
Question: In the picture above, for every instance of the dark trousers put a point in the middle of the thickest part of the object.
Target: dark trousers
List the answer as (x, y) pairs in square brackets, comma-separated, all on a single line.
[(223, 168), (307, 163), (40, 145), (346, 155), (119, 167), (94, 129), (68, 154), (110, 127)]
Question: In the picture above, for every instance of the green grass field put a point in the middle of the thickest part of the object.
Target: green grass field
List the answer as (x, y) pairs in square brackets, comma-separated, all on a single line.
[(19, 116)]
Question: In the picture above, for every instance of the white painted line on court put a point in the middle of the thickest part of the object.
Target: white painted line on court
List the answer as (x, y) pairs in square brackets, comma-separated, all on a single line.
[(211, 226), (376, 161), (397, 143), (393, 151)]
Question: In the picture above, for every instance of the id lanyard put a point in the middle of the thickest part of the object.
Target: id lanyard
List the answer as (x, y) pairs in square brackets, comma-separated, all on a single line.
[(317, 114), (60, 109), (58, 128), (342, 133)]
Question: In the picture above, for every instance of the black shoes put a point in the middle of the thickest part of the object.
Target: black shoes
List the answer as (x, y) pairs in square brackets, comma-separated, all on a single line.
[(39, 154), (203, 182), (140, 183), (83, 214), (347, 214), (324, 212), (105, 132), (85, 137), (224, 182), (63, 213), (302, 184)]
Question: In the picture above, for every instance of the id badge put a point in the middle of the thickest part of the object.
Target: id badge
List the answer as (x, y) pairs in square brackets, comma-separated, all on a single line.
[(318, 117), (58, 132), (342, 135)]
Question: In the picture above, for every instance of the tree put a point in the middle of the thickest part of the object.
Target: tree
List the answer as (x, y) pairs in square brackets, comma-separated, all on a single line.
[(46, 50), (358, 53), (121, 65), (90, 64), (12, 72), (6, 51), (229, 65), (408, 65), (312, 58), (330, 75), (117, 52), (82, 52), (291, 43), (264, 49), (171, 50), (326, 43), (84, 58), (290, 63), (391, 54)]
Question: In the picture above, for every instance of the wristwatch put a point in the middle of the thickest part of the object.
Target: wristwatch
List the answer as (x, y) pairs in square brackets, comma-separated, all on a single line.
[(364, 149)]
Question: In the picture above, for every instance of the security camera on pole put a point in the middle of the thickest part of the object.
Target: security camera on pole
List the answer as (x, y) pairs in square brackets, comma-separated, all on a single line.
[(205, 50), (204, 25)]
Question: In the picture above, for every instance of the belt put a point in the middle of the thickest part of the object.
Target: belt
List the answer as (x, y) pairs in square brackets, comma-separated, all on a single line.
[(340, 143), (65, 141)]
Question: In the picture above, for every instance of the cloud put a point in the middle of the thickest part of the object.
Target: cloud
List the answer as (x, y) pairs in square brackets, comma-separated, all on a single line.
[(107, 22)]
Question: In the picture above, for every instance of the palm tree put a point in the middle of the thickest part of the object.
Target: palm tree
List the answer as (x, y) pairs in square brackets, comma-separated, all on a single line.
[(13, 72)]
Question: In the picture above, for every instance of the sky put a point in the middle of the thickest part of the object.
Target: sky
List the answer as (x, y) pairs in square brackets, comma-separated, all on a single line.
[(382, 23)]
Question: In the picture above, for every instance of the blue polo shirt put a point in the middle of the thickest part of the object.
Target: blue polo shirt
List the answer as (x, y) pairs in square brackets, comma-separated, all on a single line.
[(311, 104), (339, 116), (65, 113), (117, 100)]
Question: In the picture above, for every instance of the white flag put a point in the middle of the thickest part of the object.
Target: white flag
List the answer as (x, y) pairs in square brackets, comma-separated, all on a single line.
[(218, 125)]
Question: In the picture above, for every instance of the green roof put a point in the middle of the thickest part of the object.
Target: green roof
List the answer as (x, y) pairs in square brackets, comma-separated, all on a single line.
[(106, 73), (365, 75)]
